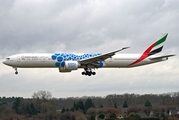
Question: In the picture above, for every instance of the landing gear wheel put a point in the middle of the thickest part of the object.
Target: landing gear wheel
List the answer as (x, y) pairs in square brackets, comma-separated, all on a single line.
[(16, 71), (88, 72), (83, 73)]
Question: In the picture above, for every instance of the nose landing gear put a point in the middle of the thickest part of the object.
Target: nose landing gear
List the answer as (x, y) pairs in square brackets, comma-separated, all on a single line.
[(16, 72)]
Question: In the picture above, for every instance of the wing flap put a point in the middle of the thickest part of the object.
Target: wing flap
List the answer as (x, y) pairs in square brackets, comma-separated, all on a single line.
[(161, 57)]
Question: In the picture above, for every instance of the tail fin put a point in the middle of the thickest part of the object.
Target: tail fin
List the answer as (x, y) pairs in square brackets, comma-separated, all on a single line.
[(156, 47)]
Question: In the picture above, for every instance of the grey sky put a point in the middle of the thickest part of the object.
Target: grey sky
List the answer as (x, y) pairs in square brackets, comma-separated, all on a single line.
[(88, 26)]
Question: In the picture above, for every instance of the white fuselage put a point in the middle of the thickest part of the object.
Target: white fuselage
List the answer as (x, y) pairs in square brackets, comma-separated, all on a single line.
[(66, 62), (40, 60)]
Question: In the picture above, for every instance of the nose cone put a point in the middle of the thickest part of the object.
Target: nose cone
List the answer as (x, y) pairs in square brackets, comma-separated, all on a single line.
[(4, 62), (8, 61)]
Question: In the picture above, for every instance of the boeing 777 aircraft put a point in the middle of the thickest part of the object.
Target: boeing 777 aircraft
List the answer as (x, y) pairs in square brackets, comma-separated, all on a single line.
[(66, 62)]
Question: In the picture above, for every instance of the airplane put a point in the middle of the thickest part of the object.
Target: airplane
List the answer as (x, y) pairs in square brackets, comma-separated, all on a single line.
[(66, 62)]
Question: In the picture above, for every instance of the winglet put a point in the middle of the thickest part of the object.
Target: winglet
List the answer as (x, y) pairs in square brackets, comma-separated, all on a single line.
[(125, 48), (121, 49)]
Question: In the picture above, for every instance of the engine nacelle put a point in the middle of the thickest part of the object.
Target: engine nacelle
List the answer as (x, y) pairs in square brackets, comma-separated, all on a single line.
[(63, 70), (71, 65), (68, 66)]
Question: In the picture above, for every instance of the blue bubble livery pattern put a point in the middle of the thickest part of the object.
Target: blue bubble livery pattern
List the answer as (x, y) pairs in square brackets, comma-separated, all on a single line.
[(61, 58)]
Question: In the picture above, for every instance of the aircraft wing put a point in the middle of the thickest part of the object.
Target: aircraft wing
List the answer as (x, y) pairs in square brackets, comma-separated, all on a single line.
[(101, 57), (161, 57)]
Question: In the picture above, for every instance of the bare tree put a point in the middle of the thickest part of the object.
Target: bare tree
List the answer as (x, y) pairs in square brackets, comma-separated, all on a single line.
[(42, 95), (45, 107), (114, 99)]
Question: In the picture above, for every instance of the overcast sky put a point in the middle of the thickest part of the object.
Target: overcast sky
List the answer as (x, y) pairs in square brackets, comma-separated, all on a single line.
[(31, 26)]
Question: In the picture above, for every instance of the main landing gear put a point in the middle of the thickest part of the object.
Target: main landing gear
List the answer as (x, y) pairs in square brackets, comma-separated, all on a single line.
[(16, 71), (88, 72)]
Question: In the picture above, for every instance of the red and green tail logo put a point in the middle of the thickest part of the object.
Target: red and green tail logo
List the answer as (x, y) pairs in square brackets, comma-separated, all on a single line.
[(153, 49)]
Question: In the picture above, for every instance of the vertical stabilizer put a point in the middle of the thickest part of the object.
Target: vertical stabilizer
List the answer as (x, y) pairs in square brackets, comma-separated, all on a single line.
[(156, 47)]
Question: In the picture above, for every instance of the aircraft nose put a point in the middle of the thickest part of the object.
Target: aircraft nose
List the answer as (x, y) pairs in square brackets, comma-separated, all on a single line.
[(4, 61)]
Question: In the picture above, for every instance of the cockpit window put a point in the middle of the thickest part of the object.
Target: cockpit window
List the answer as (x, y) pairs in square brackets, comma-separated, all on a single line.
[(7, 58)]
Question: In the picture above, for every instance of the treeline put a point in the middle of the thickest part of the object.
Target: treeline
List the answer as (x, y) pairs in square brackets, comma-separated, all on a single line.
[(43, 105), (8, 99), (113, 100)]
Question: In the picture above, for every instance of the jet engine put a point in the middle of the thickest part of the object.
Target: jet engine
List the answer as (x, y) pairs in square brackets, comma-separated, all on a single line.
[(68, 66), (71, 65)]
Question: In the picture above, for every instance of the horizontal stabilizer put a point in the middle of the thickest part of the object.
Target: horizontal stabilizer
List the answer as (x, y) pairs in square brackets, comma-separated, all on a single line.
[(161, 57)]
